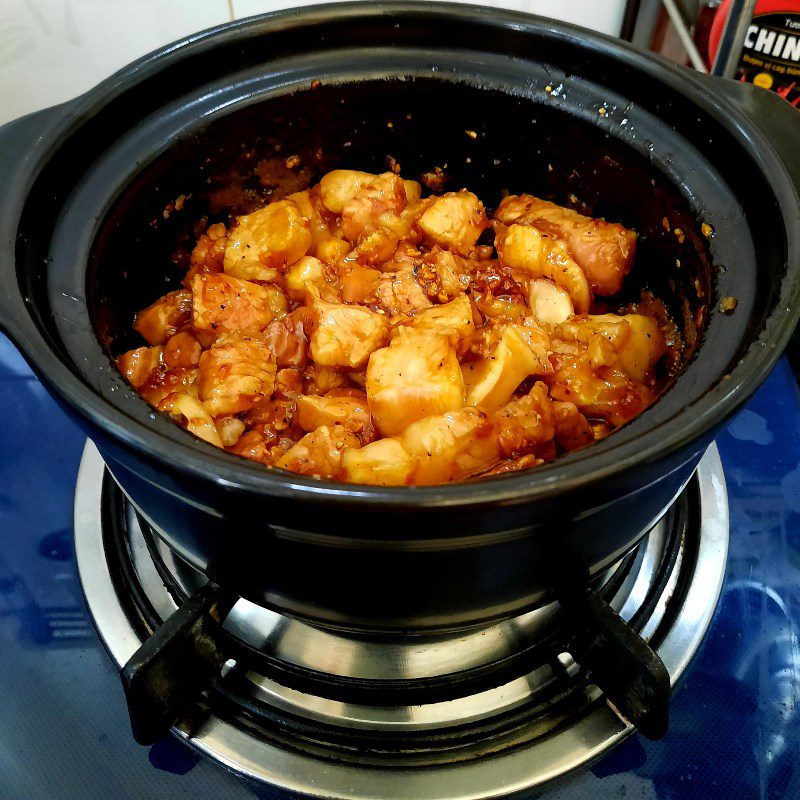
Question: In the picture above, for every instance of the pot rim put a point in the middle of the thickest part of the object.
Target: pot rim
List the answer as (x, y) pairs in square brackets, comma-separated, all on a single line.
[(598, 462)]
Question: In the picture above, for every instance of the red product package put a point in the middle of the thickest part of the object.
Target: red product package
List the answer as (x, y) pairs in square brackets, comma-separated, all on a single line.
[(771, 52)]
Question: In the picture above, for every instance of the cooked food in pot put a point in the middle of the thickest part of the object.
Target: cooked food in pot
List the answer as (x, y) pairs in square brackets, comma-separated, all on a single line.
[(357, 331)]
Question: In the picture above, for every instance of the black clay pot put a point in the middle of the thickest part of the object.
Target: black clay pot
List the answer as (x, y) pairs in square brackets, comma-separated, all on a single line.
[(85, 240)]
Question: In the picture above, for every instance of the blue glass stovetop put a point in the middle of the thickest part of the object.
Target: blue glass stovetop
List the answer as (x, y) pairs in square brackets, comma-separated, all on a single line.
[(64, 735)]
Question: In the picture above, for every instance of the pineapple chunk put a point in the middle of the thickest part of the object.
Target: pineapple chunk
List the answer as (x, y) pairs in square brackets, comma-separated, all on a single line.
[(324, 245), (332, 250), (526, 249), (451, 446), (320, 452), (492, 380), (375, 247), (339, 186), (382, 463), (636, 340), (405, 225), (437, 449), (549, 303), (453, 320), (235, 372), (136, 365), (305, 275), (182, 351), (221, 303), (350, 410), (500, 308), (321, 380), (276, 300), (193, 414), (359, 283), (454, 221), (603, 250), (162, 382), (165, 317), (311, 208), (644, 348), (266, 240), (345, 336), (413, 192), (417, 376)]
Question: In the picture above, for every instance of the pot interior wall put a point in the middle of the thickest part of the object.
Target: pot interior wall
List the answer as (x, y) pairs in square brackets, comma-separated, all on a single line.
[(237, 163)]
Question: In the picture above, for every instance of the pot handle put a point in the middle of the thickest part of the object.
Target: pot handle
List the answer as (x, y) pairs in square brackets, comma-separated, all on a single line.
[(21, 142), (776, 118), (779, 121)]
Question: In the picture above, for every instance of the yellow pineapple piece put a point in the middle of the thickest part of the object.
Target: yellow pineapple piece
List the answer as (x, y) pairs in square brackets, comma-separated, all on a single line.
[(413, 191), (267, 240), (161, 320), (417, 376), (332, 250), (437, 449), (189, 410), (491, 381), (350, 410), (305, 276), (451, 446), (525, 249), (339, 186), (136, 365), (382, 463), (309, 204), (453, 320), (345, 336), (636, 340), (454, 221)]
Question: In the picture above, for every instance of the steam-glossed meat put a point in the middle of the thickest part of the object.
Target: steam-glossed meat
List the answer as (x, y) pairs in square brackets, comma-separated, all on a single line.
[(356, 331)]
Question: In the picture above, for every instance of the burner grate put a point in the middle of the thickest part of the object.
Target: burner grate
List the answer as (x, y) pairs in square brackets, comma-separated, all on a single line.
[(521, 718), (567, 692), (358, 690)]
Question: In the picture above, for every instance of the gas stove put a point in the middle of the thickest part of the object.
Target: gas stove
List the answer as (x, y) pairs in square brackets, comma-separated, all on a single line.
[(497, 711), (483, 713)]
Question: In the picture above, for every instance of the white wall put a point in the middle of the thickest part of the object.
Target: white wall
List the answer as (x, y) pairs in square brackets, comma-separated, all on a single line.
[(52, 50)]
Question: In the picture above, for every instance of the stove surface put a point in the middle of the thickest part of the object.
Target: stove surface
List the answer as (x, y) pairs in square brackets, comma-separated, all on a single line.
[(64, 732), (506, 707)]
